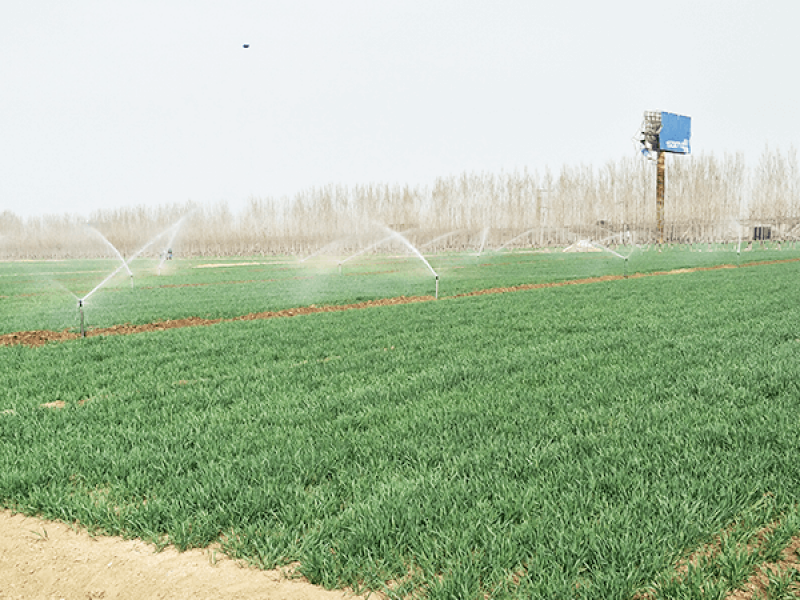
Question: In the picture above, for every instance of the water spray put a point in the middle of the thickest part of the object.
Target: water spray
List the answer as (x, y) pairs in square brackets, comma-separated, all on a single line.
[(323, 249), (167, 253), (114, 249), (484, 235), (441, 237), (739, 248), (80, 309), (411, 247), (368, 248), (521, 235), (124, 264), (618, 255)]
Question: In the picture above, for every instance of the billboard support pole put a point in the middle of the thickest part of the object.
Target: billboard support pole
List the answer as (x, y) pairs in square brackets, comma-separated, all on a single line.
[(660, 185)]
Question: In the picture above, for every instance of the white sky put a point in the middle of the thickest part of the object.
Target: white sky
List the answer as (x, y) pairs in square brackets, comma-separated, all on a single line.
[(149, 102)]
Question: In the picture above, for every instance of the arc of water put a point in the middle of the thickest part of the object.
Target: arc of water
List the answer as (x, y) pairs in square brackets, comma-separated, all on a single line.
[(113, 248), (570, 234), (411, 247), (175, 228), (368, 248), (739, 232), (604, 249), (63, 287), (102, 283), (617, 254), (484, 235), (514, 239), (611, 237), (441, 237), (321, 250), (125, 264)]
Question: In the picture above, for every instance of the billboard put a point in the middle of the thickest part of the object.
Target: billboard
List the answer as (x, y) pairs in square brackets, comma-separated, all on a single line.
[(676, 131)]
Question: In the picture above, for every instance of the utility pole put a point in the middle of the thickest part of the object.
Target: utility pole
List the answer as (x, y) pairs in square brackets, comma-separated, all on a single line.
[(663, 132), (661, 175)]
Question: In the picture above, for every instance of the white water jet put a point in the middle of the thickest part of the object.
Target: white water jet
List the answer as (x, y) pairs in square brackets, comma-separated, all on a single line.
[(611, 237), (483, 240), (609, 250), (110, 245), (514, 239), (368, 248), (411, 247), (618, 255), (175, 229), (63, 287), (125, 263), (441, 237), (101, 284), (321, 250)]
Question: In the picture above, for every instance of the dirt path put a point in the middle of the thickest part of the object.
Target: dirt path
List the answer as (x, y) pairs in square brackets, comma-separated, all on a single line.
[(48, 560)]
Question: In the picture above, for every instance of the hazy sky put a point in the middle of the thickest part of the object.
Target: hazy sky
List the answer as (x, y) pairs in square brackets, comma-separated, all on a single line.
[(121, 103)]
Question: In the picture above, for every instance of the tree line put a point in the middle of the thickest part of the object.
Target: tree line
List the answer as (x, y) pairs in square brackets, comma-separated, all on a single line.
[(708, 198)]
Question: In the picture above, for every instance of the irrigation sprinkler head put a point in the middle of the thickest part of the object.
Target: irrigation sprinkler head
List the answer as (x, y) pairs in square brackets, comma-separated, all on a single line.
[(437, 287), (340, 267), (131, 280)]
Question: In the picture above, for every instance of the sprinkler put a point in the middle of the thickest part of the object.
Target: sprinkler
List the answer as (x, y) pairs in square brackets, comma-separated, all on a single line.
[(738, 258), (80, 308), (131, 280), (437, 287), (625, 268), (340, 268)]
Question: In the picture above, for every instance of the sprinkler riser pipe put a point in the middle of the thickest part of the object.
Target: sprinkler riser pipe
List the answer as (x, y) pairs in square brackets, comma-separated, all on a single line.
[(80, 309), (437, 287), (131, 280)]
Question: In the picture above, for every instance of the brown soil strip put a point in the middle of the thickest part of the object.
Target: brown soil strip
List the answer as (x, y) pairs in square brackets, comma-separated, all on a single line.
[(758, 583), (41, 337)]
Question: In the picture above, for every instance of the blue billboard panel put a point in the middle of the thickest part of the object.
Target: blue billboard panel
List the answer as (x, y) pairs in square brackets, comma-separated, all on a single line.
[(676, 131)]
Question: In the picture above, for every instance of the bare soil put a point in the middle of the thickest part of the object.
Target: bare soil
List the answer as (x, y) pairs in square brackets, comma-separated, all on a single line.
[(758, 584), (42, 559)]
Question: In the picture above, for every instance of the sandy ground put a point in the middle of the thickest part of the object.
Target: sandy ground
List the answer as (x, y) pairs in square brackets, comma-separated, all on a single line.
[(47, 560)]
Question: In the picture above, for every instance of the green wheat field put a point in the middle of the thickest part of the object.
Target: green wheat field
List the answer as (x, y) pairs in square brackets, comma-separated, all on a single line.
[(625, 438)]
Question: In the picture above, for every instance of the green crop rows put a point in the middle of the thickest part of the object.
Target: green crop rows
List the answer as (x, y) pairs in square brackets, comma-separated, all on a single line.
[(571, 442), (44, 294)]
